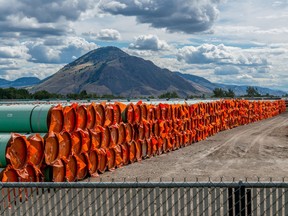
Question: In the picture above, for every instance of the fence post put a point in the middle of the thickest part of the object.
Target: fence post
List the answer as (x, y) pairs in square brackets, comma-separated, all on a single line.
[(240, 200), (230, 202), (237, 200), (249, 202)]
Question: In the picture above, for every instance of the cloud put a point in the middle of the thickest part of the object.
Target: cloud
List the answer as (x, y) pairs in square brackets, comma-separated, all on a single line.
[(218, 54), (5, 62), (75, 47), (62, 51), (146, 54), (149, 42), (35, 18), (45, 11), (8, 64), (187, 16), (19, 26), (105, 35), (108, 34), (244, 77), (14, 52), (279, 4), (226, 70), (43, 54)]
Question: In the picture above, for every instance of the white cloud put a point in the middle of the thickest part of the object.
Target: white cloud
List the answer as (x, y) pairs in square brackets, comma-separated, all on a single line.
[(149, 42), (104, 34), (244, 76), (43, 54), (146, 54), (108, 34), (7, 65), (19, 51), (187, 16), (63, 51), (226, 70), (22, 26), (113, 6), (46, 11), (24, 69), (5, 61), (218, 54), (38, 18)]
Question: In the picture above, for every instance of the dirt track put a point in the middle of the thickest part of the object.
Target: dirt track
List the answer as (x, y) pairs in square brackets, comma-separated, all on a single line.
[(256, 150)]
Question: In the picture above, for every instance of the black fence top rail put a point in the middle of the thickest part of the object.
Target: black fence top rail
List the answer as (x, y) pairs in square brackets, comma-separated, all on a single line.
[(143, 184)]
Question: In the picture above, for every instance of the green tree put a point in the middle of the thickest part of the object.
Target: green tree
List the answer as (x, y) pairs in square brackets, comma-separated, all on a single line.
[(13, 93), (218, 93), (40, 95), (230, 93), (10, 93), (72, 96), (252, 92), (109, 96), (83, 94), (169, 95), (2, 93)]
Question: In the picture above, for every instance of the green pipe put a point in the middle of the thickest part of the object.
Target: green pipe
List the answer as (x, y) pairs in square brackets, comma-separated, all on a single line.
[(4, 141), (39, 118), (24, 118), (15, 118)]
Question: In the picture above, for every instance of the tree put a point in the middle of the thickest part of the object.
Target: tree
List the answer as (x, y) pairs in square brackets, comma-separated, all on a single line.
[(169, 95), (218, 93), (40, 95), (13, 93), (230, 93), (252, 92), (73, 96), (83, 94)]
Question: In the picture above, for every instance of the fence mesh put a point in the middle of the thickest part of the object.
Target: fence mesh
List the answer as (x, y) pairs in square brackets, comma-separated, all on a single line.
[(144, 198)]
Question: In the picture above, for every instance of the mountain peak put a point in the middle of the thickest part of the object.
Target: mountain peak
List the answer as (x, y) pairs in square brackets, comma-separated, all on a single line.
[(102, 54)]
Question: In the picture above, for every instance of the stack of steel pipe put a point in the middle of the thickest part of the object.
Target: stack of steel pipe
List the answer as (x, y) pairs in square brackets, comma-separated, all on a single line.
[(72, 142), (22, 154)]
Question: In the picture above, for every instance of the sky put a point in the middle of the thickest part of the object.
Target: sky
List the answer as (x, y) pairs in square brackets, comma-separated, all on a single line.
[(225, 41)]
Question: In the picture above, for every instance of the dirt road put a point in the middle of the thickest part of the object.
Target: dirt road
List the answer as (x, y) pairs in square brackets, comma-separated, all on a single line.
[(256, 150)]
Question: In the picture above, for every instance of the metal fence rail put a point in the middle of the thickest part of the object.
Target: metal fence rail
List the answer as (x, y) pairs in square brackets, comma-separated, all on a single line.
[(144, 198)]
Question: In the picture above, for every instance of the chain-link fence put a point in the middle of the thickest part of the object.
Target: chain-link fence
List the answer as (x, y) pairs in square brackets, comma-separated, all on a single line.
[(144, 198)]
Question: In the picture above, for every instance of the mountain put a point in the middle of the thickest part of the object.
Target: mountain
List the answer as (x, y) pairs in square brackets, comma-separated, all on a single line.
[(19, 83), (109, 70), (199, 83), (4, 82), (208, 86), (241, 90)]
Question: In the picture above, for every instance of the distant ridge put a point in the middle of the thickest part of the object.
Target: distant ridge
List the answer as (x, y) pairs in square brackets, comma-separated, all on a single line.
[(19, 83), (208, 86), (241, 90)]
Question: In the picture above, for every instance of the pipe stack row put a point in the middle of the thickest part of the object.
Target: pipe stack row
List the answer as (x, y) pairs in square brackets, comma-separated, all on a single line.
[(88, 139), (24, 157)]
